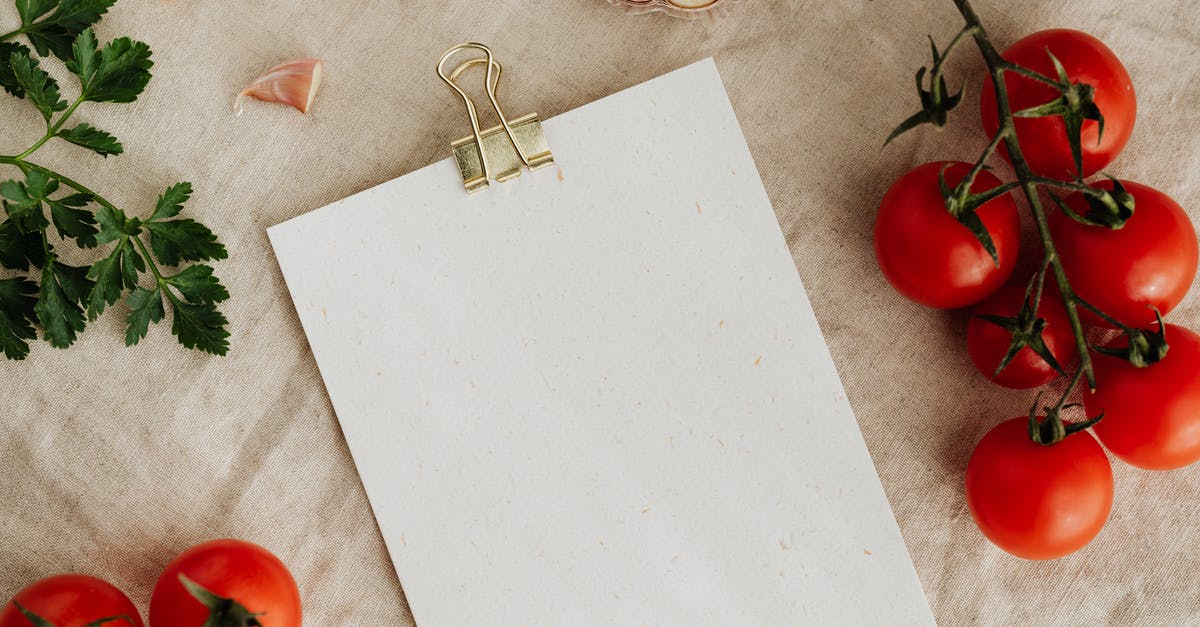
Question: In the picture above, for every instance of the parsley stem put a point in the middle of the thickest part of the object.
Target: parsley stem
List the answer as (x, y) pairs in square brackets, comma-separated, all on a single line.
[(6, 36), (52, 129), (158, 277), (100, 200)]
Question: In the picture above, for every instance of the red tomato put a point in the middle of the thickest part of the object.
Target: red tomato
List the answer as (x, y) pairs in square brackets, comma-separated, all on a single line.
[(1150, 261), (71, 601), (1151, 414), (1044, 140), (1038, 502), (231, 569), (931, 258), (987, 343)]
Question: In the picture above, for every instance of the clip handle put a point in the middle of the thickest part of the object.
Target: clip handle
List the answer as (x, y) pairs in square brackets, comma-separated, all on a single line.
[(491, 83)]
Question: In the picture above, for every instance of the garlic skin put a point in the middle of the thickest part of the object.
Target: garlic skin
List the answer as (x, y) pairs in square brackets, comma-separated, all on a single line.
[(293, 83)]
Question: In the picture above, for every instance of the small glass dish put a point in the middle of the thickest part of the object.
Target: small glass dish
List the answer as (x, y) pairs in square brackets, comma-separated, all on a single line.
[(687, 9)]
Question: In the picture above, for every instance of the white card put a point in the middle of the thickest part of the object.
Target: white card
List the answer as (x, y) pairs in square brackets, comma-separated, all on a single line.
[(598, 395)]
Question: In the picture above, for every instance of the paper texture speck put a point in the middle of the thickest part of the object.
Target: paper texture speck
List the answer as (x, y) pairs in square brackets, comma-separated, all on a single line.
[(598, 396)]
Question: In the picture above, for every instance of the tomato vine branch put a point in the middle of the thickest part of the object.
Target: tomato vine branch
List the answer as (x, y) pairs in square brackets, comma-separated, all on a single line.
[(1028, 182)]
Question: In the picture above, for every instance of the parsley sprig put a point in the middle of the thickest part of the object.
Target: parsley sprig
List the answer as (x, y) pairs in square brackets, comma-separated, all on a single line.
[(62, 298)]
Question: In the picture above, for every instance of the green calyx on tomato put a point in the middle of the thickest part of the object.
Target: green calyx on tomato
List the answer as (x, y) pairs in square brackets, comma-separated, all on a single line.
[(1109, 208), (936, 102), (1053, 429), (961, 204), (1145, 347), (1027, 329), (38, 621), (1076, 104), (223, 612)]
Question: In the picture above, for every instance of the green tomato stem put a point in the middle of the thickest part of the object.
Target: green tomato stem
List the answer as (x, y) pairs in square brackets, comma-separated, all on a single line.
[(997, 67)]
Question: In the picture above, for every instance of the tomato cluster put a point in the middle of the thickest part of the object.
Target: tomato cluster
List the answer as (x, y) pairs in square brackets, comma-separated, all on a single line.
[(226, 583), (1038, 496)]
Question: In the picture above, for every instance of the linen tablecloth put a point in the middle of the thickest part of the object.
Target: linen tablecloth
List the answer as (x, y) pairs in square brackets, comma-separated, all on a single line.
[(113, 460)]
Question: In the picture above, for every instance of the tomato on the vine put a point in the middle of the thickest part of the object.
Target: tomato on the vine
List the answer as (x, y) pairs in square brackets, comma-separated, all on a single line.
[(71, 601), (1035, 501), (1152, 414), (988, 343), (243, 581), (1148, 262), (928, 255), (1044, 140)]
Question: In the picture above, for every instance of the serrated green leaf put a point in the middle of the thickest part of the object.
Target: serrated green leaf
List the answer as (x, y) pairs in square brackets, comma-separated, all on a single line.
[(171, 202), (77, 15), (39, 185), (58, 308), (48, 38), (57, 32), (17, 315), (145, 307), (23, 201), (112, 276), (199, 285), (94, 139), (85, 57), (114, 225), (71, 221), (183, 240), (200, 327), (8, 78), (18, 249), (30, 10), (41, 90), (132, 265), (122, 73)]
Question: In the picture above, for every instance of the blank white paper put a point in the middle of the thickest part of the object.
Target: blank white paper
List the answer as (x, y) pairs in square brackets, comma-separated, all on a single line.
[(597, 394)]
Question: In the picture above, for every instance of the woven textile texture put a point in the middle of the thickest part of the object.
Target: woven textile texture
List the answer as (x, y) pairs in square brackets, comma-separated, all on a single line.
[(113, 460)]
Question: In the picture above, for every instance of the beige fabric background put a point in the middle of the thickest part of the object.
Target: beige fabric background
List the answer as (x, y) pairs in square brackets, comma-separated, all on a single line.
[(112, 460)]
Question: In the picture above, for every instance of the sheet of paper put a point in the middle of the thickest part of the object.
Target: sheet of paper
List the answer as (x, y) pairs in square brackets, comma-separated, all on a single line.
[(598, 395)]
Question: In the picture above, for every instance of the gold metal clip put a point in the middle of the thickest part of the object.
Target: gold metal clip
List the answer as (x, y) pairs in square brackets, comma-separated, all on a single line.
[(498, 152)]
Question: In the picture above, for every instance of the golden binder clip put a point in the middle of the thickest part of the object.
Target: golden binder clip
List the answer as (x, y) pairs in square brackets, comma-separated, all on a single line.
[(498, 152)]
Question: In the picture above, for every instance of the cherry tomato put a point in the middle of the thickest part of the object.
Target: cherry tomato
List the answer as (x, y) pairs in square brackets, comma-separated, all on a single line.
[(1044, 140), (1152, 414), (931, 258), (1038, 502), (987, 343), (71, 601), (230, 569), (1148, 262)]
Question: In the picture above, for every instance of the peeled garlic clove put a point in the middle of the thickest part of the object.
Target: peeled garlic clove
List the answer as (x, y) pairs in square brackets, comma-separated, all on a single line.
[(294, 84)]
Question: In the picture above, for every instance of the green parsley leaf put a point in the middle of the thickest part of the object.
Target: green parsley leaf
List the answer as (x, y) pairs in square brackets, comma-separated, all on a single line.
[(145, 307), (23, 201), (30, 10), (18, 249), (122, 73), (17, 316), (84, 56), (199, 285), (113, 275), (114, 225), (171, 202), (183, 240), (200, 326), (41, 90), (71, 221), (59, 304), (76, 15), (56, 32), (93, 139), (8, 78)]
